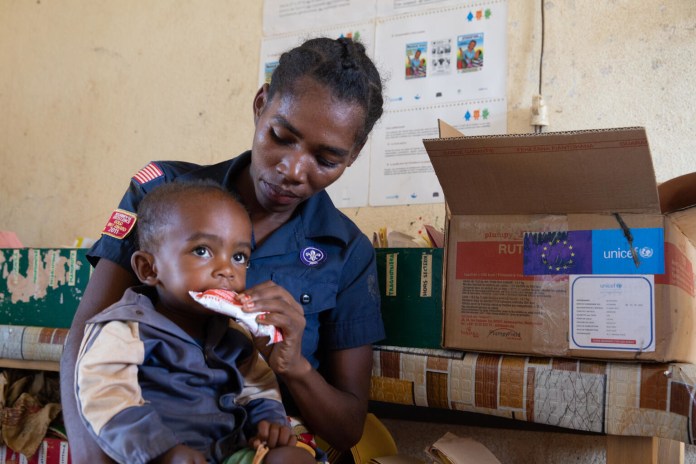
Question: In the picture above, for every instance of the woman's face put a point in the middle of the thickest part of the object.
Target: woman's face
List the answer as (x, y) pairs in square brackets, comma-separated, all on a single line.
[(303, 142)]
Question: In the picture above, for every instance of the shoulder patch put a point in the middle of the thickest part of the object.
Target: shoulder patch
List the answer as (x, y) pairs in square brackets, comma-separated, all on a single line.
[(120, 224), (148, 173)]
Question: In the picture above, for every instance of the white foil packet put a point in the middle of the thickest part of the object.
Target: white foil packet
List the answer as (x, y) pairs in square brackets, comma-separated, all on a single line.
[(225, 302)]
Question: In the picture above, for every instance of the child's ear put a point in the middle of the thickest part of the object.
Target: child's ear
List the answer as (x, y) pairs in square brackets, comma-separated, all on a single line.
[(143, 263)]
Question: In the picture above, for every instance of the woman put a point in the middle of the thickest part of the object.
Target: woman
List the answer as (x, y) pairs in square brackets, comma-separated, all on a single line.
[(312, 270)]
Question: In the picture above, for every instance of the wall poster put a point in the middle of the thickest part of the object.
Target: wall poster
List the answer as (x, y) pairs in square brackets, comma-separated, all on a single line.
[(440, 59)]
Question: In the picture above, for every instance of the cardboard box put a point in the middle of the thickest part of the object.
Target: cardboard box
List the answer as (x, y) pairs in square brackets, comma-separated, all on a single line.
[(556, 245), (410, 283), (40, 286)]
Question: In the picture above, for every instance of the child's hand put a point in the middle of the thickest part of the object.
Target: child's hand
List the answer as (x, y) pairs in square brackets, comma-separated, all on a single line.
[(181, 454), (273, 435)]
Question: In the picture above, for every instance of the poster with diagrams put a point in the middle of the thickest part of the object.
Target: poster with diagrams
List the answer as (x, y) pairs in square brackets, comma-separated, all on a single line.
[(441, 59), (448, 64)]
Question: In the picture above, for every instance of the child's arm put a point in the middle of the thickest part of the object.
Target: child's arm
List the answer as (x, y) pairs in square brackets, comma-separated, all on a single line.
[(260, 396), (272, 435), (260, 383), (109, 398)]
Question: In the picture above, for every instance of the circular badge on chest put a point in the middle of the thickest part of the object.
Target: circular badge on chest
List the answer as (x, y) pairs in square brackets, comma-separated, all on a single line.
[(312, 256)]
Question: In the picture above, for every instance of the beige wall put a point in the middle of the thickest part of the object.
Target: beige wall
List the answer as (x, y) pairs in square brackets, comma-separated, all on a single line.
[(91, 90)]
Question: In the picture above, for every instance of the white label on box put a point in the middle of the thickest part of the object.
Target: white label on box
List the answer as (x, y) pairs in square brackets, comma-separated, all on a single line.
[(390, 288), (426, 287), (612, 312)]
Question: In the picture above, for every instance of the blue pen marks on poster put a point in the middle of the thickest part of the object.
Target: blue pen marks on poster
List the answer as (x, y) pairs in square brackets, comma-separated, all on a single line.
[(563, 252)]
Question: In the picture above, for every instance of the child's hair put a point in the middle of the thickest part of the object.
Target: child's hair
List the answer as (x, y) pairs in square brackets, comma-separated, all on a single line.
[(343, 66), (155, 208)]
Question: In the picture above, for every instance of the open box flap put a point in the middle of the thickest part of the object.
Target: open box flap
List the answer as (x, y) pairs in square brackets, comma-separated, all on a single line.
[(678, 199), (607, 170), (678, 193)]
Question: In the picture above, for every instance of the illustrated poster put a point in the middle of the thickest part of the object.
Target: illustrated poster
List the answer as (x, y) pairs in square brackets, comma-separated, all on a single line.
[(448, 64), (441, 59)]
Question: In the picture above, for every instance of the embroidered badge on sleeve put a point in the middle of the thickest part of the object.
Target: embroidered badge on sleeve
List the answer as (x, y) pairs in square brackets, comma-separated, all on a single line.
[(120, 224), (148, 173)]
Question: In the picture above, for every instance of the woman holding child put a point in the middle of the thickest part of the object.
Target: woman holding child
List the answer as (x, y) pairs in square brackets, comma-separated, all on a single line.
[(312, 271)]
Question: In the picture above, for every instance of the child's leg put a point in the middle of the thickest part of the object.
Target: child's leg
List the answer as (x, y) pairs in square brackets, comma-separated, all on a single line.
[(243, 456), (289, 454)]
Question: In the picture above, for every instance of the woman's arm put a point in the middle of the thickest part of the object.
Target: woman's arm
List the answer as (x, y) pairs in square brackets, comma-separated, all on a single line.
[(333, 407), (105, 287)]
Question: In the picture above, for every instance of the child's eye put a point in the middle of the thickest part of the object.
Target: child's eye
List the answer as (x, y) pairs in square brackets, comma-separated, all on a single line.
[(241, 258), (203, 252)]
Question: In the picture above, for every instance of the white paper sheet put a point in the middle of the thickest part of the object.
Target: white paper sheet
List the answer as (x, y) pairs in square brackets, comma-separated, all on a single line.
[(395, 7), (612, 312), (284, 16), (400, 170), (429, 78)]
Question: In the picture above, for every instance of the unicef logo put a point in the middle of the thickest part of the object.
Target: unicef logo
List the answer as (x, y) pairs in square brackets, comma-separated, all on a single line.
[(311, 256), (646, 252)]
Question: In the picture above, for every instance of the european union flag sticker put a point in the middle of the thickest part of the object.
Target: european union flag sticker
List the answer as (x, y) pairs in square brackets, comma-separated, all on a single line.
[(562, 252)]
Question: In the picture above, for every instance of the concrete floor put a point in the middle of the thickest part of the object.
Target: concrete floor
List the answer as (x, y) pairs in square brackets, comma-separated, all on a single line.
[(510, 441)]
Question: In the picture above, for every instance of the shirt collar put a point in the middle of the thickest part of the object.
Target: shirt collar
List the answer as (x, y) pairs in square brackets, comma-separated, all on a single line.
[(320, 218)]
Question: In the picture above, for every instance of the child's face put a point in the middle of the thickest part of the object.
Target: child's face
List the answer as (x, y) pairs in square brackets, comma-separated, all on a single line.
[(206, 245)]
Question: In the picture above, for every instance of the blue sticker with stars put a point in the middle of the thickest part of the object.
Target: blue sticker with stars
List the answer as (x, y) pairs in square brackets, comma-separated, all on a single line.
[(594, 252), (565, 252)]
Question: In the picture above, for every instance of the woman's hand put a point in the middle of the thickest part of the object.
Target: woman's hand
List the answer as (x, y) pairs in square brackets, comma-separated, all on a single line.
[(272, 435), (333, 407), (285, 358), (181, 454)]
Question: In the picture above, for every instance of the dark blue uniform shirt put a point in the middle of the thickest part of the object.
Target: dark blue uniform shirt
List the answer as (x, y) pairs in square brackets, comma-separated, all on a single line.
[(319, 256)]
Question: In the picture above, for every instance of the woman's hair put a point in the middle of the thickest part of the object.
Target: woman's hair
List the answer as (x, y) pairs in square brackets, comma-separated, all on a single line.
[(340, 64), (154, 211)]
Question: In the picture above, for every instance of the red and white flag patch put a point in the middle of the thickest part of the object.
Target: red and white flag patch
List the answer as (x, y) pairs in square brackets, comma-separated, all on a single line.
[(148, 173), (120, 224)]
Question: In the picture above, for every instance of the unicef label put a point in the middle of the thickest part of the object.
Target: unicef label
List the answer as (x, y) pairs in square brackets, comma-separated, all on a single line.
[(594, 252), (612, 254)]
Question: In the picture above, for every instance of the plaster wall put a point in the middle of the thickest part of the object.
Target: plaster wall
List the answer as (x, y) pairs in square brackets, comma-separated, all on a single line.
[(91, 90)]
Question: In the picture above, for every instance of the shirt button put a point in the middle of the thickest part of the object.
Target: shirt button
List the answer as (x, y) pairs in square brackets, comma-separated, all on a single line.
[(305, 298)]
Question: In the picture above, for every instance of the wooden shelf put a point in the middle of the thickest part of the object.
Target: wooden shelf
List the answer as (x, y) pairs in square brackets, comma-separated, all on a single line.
[(32, 365)]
